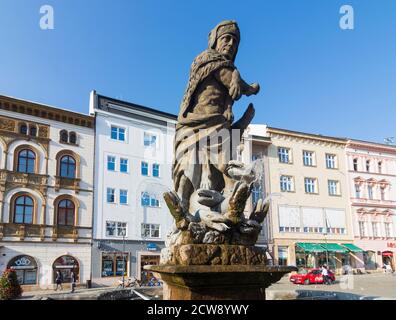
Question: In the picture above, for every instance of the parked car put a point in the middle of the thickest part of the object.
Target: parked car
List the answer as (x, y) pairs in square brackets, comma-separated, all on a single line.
[(308, 276)]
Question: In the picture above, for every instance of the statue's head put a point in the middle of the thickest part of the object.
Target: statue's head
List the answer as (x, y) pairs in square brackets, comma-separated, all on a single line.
[(224, 38)]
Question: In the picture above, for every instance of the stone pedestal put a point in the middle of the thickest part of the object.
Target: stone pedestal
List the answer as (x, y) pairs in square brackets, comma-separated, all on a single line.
[(217, 282)]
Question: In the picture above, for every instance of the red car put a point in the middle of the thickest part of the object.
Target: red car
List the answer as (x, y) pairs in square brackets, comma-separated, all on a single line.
[(308, 276)]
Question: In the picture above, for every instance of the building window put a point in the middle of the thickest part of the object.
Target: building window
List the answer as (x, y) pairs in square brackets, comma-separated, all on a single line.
[(73, 138), (114, 264), (310, 185), (375, 229), (355, 164), (25, 268), (383, 194), (111, 162), (124, 196), (68, 167), (117, 133), (156, 170), (284, 155), (335, 230), (331, 161), (23, 129), (313, 229), (357, 191), (362, 229), (64, 136), (124, 165), (257, 193), (368, 165), (110, 195), (150, 230), (33, 131), (282, 256), (116, 229), (388, 228), (150, 140), (66, 213), (379, 166), (289, 229), (23, 210), (370, 192), (26, 161), (145, 199), (148, 200), (308, 158), (334, 189), (286, 183), (144, 168)]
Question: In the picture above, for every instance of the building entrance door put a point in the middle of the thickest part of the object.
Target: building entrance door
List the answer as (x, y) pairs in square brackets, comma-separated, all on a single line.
[(146, 277)]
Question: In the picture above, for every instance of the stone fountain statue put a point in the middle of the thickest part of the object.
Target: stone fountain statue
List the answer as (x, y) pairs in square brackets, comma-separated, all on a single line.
[(211, 188)]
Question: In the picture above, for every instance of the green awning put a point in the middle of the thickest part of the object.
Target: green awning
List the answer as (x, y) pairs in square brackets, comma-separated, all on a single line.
[(333, 247), (309, 247), (352, 247)]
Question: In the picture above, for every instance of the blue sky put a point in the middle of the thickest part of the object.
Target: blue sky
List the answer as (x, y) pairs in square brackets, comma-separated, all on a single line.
[(314, 76)]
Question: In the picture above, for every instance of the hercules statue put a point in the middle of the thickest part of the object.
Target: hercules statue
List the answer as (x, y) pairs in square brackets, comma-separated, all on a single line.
[(211, 188)]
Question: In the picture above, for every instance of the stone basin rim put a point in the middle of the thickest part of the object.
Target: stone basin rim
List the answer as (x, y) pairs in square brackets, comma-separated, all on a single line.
[(177, 269)]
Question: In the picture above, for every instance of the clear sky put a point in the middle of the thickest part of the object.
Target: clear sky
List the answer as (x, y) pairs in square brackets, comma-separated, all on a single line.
[(315, 77)]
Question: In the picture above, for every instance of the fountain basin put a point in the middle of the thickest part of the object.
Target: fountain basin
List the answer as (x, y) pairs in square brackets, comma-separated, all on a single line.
[(217, 282)]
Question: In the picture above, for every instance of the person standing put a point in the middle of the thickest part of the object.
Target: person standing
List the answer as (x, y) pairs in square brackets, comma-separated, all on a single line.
[(73, 281), (58, 280)]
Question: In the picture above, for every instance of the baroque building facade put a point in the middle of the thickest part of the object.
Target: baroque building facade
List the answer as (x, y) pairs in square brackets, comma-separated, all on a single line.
[(133, 156), (46, 192), (372, 181)]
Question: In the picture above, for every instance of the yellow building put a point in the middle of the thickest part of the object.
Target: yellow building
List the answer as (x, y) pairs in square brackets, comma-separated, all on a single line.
[(309, 222)]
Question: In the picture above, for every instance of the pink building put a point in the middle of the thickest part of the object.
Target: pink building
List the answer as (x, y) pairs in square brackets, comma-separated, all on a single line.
[(372, 185)]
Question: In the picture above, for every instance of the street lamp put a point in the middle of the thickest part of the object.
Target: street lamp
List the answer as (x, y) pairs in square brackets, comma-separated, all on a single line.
[(325, 234), (123, 259)]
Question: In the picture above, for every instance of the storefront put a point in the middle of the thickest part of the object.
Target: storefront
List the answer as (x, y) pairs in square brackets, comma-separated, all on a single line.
[(66, 264), (25, 268), (147, 258), (114, 264), (314, 255)]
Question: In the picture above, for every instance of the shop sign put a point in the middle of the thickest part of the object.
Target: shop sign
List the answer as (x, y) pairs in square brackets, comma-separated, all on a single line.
[(23, 262), (151, 247), (391, 245)]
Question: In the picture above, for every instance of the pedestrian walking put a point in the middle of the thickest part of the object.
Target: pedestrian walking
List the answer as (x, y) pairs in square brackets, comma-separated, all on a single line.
[(58, 280), (73, 281), (325, 274)]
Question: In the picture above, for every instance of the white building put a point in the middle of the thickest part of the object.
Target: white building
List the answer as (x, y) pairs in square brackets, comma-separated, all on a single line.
[(133, 155), (46, 192)]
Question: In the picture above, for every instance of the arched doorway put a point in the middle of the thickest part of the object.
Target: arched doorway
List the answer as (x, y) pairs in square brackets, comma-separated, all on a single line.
[(66, 264), (25, 268)]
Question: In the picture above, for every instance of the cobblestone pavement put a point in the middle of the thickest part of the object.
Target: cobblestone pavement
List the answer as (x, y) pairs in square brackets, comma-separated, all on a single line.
[(377, 284)]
